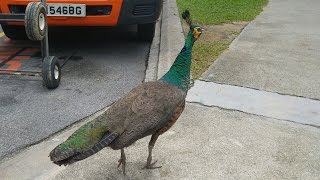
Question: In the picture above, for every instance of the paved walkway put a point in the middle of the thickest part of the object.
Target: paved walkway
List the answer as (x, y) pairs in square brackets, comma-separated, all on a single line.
[(268, 104), (272, 70), (277, 52)]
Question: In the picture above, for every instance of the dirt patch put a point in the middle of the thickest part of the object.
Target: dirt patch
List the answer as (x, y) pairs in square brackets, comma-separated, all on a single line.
[(224, 32), (214, 40)]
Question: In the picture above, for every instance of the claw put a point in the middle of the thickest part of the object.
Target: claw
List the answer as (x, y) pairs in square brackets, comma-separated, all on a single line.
[(120, 162), (151, 166)]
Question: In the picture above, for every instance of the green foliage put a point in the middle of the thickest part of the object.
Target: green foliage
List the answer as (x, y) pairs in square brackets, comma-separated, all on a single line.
[(221, 11)]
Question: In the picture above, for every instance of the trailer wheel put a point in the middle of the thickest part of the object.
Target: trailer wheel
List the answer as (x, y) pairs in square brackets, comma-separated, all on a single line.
[(35, 21), (146, 31), (51, 72)]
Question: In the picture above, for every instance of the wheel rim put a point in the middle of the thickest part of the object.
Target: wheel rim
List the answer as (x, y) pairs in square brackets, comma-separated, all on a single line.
[(56, 72), (42, 21)]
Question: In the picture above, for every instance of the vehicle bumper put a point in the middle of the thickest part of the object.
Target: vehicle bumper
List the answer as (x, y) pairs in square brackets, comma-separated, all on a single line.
[(122, 12), (140, 11)]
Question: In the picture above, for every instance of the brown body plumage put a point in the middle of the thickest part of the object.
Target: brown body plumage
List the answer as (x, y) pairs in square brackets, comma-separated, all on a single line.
[(145, 110)]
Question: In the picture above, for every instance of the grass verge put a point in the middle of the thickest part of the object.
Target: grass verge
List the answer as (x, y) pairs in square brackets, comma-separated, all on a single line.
[(225, 19), (222, 11)]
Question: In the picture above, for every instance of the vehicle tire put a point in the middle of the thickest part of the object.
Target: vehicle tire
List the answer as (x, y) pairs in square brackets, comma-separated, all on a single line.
[(51, 72), (146, 31), (14, 32), (35, 21)]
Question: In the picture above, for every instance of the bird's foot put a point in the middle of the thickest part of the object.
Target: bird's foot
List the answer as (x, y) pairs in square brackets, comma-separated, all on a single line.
[(120, 162), (151, 166), (123, 162)]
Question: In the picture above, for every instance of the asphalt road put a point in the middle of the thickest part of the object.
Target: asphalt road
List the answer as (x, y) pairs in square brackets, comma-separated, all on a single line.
[(105, 64)]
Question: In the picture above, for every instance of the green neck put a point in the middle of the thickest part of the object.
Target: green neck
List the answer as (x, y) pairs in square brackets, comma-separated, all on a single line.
[(179, 73)]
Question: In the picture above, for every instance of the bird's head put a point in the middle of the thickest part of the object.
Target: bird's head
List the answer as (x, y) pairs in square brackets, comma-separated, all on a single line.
[(195, 29)]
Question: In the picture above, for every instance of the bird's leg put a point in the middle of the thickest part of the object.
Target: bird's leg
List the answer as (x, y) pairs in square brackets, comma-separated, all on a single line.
[(122, 161), (153, 140)]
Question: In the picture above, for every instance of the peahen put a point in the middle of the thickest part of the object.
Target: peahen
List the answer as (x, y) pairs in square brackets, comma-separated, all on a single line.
[(149, 109)]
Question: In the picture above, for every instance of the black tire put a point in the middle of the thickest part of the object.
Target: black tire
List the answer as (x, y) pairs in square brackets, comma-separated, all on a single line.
[(51, 72), (35, 21), (146, 31), (14, 32)]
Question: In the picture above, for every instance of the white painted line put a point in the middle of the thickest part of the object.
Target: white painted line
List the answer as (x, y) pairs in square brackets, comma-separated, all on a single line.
[(301, 110)]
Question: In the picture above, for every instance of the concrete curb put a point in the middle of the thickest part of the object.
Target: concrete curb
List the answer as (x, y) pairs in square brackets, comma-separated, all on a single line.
[(167, 43), (153, 59)]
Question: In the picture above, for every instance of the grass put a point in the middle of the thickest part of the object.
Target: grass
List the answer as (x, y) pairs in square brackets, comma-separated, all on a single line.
[(204, 55), (217, 12), (208, 12)]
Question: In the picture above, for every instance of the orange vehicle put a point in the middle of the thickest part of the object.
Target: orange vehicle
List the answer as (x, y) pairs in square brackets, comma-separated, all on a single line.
[(143, 13)]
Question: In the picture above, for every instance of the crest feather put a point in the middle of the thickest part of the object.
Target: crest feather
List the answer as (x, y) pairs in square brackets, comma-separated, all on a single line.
[(186, 17)]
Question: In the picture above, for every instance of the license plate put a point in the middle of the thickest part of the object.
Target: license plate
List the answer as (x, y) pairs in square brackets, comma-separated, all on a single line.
[(75, 10)]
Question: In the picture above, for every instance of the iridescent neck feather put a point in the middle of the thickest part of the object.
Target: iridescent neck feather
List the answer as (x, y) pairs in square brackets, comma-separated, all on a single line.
[(179, 73)]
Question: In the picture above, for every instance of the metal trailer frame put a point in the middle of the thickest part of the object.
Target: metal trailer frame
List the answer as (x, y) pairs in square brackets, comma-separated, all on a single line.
[(44, 51)]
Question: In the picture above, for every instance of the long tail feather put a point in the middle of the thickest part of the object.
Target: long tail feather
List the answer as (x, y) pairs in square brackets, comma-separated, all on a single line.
[(64, 158), (105, 141)]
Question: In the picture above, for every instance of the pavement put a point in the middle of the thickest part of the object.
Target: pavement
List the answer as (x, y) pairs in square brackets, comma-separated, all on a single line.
[(277, 52), (228, 130)]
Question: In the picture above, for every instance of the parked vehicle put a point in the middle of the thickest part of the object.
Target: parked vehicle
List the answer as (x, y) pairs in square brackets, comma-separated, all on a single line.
[(142, 13)]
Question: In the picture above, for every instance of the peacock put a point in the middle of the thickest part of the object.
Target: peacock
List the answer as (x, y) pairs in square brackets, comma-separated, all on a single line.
[(151, 108)]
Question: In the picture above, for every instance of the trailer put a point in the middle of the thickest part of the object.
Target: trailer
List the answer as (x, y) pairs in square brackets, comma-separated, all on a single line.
[(36, 28), (17, 14)]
